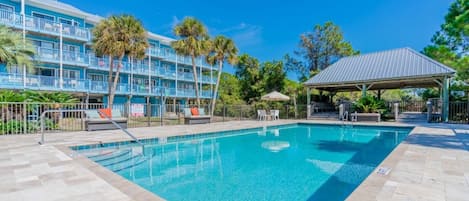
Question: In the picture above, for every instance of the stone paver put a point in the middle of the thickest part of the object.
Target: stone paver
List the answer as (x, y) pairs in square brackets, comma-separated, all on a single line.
[(432, 164)]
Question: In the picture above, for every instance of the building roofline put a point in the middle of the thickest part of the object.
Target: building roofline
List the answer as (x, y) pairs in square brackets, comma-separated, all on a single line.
[(57, 6)]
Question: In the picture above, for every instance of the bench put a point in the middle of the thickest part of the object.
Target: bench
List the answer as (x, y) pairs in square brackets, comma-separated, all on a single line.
[(199, 119), (95, 122), (366, 117)]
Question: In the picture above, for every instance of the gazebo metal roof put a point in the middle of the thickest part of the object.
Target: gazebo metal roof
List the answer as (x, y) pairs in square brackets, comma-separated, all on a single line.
[(397, 68)]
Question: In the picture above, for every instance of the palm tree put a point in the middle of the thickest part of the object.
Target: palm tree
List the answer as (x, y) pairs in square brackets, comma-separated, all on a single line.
[(116, 37), (193, 42), (14, 50), (222, 49)]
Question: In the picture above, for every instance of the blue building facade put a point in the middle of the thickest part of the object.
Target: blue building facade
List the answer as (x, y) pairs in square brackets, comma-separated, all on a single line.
[(65, 61)]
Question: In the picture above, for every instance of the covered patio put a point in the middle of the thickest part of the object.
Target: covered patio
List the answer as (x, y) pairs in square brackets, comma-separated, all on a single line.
[(391, 69)]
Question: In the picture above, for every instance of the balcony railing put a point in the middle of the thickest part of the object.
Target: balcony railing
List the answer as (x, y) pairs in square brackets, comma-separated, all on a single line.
[(68, 57), (185, 76), (40, 25), (49, 83), (169, 55)]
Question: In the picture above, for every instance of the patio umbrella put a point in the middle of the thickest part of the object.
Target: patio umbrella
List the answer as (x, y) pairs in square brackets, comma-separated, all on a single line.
[(275, 96)]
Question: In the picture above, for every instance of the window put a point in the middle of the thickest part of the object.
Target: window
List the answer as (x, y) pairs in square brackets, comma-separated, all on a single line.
[(96, 77), (8, 8), (138, 81), (45, 44), (153, 46), (70, 48), (43, 16), (46, 72), (166, 84), (69, 22), (71, 74), (15, 70), (153, 82)]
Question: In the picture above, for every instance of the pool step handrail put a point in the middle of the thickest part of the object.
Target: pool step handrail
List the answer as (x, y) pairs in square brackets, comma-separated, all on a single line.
[(120, 127), (345, 119)]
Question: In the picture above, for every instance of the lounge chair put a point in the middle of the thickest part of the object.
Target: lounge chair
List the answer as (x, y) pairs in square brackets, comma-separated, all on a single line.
[(261, 115), (275, 114), (201, 118), (94, 121)]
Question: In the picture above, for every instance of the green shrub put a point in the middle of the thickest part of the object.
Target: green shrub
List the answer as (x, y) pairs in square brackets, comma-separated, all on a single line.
[(17, 127), (370, 104)]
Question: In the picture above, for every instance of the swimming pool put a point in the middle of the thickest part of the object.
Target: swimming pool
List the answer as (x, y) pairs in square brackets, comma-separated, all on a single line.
[(289, 162)]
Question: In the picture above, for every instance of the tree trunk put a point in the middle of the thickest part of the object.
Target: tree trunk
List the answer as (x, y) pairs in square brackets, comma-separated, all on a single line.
[(194, 72), (116, 78), (110, 85), (295, 106), (214, 95)]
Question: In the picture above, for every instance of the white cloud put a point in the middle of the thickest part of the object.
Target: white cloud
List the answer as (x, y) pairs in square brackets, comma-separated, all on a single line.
[(244, 34)]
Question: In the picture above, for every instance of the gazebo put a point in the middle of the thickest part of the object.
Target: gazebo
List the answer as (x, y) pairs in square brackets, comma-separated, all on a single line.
[(391, 69)]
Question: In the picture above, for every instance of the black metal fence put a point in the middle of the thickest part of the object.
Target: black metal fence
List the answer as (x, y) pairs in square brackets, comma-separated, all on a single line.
[(458, 112)]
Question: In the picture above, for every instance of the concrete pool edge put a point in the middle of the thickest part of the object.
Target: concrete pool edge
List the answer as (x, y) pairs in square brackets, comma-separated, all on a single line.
[(32, 172), (139, 193), (134, 191)]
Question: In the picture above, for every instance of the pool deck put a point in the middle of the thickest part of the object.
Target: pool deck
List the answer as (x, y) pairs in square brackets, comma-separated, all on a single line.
[(431, 164)]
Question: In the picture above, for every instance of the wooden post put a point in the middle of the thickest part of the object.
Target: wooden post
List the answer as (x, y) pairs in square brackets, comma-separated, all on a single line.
[(363, 90), (308, 102), (445, 100)]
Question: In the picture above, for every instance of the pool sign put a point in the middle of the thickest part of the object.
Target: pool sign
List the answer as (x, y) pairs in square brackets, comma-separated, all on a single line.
[(137, 110)]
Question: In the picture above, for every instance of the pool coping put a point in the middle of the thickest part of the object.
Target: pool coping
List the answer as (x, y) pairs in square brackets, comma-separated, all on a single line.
[(133, 190), (138, 193), (374, 182)]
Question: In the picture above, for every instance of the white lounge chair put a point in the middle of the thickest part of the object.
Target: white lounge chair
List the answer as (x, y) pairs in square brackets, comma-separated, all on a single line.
[(261, 115), (275, 114)]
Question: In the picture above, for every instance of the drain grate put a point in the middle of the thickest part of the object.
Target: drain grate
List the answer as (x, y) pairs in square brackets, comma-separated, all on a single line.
[(383, 170)]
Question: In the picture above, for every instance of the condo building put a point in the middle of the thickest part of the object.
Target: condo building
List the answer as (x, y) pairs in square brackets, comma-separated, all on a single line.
[(65, 61)]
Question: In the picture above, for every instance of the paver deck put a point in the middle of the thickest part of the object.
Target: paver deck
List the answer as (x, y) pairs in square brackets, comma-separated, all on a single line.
[(431, 164)]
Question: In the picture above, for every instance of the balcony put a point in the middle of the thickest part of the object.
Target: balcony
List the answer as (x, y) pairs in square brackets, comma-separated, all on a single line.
[(169, 74), (169, 55), (53, 56), (185, 76), (48, 83), (37, 82), (40, 25), (103, 64)]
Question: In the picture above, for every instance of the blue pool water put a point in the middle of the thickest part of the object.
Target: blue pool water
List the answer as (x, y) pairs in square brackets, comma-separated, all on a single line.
[(291, 162)]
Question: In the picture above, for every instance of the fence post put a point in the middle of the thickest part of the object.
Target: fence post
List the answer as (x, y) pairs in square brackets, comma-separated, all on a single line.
[(341, 111), (396, 111), (161, 114), (429, 111), (82, 116), (178, 113), (148, 112), (25, 116)]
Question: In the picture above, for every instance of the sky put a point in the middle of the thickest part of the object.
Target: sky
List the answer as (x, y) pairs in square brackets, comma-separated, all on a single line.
[(270, 29)]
